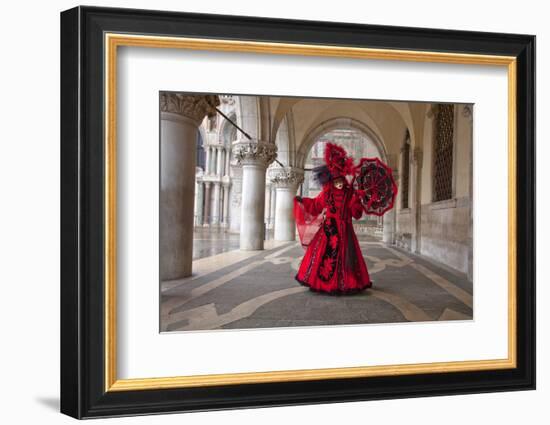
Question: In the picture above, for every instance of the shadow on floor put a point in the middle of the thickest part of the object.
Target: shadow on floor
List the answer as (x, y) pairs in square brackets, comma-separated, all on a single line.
[(49, 402)]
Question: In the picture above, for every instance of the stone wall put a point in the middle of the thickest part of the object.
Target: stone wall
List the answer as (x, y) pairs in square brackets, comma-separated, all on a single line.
[(445, 232)]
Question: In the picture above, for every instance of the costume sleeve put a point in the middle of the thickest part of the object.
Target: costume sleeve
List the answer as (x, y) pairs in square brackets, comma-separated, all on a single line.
[(308, 219), (314, 206), (356, 206)]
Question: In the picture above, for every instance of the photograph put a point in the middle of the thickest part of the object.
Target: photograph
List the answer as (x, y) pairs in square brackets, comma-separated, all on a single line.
[(303, 211)]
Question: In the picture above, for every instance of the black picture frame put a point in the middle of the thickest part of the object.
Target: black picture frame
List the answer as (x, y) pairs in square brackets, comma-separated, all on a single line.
[(83, 392)]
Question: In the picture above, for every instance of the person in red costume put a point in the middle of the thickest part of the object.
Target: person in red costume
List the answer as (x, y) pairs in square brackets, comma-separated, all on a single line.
[(333, 262)]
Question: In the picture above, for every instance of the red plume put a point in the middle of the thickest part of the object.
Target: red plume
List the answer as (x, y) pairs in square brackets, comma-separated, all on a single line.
[(338, 161)]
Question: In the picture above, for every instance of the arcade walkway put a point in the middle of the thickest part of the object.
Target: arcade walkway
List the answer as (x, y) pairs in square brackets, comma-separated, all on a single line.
[(233, 289)]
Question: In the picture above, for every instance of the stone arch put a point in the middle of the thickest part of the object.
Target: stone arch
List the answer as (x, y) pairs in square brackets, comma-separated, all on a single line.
[(337, 123), (404, 111), (285, 141), (248, 117), (281, 112)]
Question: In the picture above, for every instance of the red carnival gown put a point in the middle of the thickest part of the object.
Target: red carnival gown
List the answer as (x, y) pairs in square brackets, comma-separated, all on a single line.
[(333, 262)]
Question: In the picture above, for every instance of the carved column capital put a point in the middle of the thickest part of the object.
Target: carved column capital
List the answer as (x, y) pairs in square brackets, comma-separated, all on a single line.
[(192, 107), (254, 152), (288, 177)]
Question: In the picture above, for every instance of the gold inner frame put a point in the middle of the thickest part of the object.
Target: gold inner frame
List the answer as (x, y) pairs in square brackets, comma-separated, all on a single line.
[(113, 41)]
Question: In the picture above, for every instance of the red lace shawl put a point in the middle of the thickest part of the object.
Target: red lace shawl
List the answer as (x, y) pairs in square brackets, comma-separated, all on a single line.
[(308, 217)]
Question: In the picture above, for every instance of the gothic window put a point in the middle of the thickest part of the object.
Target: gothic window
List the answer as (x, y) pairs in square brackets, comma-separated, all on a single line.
[(405, 171), (443, 152)]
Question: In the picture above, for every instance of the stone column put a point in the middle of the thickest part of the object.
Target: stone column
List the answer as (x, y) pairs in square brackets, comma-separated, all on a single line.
[(226, 204), (213, 160), (222, 166), (396, 176), (207, 160), (207, 198), (273, 204), (267, 211), (254, 156), (390, 217), (216, 207), (195, 203), (415, 183), (286, 182), (388, 228), (180, 117), (219, 158), (227, 162), (199, 204)]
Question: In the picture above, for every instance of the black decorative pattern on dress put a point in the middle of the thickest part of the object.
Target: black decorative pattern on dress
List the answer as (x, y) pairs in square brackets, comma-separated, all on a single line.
[(330, 256), (343, 224), (317, 242), (331, 203)]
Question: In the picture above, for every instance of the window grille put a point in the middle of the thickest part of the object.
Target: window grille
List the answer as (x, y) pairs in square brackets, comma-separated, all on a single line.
[(443, 153), (405, 173)]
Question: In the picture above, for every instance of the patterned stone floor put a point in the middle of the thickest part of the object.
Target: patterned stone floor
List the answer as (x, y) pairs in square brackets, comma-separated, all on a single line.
[(233, 289)]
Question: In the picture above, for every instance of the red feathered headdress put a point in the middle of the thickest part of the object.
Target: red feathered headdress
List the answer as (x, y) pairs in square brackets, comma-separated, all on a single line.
[(338, 161)]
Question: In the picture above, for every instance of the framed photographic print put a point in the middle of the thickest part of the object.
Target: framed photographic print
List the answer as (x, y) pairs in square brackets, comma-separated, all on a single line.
[(261, 212)]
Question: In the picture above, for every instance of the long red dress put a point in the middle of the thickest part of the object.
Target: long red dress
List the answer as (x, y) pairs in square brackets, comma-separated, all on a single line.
[(333, 262)]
